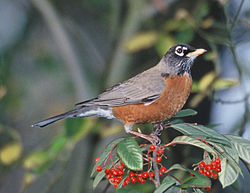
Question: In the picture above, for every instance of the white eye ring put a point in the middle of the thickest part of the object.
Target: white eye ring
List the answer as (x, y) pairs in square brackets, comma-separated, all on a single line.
[(178, 49)]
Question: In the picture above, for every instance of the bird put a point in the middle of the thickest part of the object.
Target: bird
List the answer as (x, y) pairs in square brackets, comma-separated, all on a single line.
[(152, 96)]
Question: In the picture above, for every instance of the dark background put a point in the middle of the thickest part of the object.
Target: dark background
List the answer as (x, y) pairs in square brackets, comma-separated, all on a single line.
[(54, 54)]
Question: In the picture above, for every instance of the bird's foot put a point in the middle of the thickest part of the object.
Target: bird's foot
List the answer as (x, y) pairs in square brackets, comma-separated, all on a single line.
[(158, 128), (154, 139)]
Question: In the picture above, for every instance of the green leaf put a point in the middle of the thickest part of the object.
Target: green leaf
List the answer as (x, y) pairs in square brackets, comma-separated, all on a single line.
[(196, 182), (200, 131), (177, 167), (229, 164), (223, 83), (166, 184), (98, 178), (228, 174), (105, 154), (57, 145), (195, 142), (185, 113), (242, 146), (122, 190), (73, 125), (130, 154), (100, 175)]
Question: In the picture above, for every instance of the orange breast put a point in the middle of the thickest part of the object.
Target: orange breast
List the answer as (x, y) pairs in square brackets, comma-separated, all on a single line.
[(170, 102)]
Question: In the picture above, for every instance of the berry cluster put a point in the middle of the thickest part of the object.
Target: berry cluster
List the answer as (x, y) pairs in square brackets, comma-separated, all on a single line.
[(210, 170), (116, 174)]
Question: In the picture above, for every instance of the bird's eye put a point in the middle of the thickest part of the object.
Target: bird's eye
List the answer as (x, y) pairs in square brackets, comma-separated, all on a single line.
[(179, 51)]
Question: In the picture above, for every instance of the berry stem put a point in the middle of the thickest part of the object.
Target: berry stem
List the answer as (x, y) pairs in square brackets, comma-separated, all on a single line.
[(156, 169)]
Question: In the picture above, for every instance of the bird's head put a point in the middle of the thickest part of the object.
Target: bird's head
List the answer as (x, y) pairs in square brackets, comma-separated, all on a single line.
[(179, 59)]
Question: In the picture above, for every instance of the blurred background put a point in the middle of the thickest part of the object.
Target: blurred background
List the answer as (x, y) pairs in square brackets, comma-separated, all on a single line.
[(54, 54)]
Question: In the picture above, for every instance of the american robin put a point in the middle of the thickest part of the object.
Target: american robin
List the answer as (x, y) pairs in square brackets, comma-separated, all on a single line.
[(152, 96)]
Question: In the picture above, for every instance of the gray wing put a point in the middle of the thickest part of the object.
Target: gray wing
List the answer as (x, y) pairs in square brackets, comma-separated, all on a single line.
[(143, 88)]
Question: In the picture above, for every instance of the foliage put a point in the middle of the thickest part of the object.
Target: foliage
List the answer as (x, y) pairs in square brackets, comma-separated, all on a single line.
[(221, 158)]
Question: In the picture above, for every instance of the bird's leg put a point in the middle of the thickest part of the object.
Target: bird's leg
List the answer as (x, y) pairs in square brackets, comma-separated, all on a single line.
[(154, 139), (158, 128)]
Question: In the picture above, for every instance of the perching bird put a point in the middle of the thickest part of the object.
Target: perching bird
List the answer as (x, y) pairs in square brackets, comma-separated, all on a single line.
[(152, 96)]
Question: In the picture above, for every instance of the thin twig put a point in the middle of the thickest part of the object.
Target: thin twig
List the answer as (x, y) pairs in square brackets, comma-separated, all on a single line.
[(237, 14)]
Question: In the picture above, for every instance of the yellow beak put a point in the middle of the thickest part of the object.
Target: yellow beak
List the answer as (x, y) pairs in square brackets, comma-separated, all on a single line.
[(196, 53)]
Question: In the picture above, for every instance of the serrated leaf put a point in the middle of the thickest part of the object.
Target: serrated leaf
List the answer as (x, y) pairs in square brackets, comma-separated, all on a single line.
[(166, 184), (223, 83), (141, 41), (105, 153), (195, 142), (130, 154), (242, 146), (185, 113)]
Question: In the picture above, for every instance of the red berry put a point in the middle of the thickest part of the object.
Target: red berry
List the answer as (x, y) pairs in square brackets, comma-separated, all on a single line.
[(97, 159), (214, 175), (120, 167), (139, 178), (145, 175), (106, 171), (217, 166), (116, 184), (208, 167), (158, 159), (152, 174), (127, 180), (139, 174), (207, 173), (117, 180), (108, 176), (142, 181), (218, 170), (207, 188), (133, 180), (120, 172), (160, 174), (124, 183), (99, 168), (152, 147), (112, 179), (114, 172), (160, 151), (202, 164), (163, 169), (131, 174), (192, 174), (217, 160), (201, 171)]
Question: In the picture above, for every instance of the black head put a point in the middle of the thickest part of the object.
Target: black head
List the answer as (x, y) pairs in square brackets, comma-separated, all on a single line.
[(179, 59)]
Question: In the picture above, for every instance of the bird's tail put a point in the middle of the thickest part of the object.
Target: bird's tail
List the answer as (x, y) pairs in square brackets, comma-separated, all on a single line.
[(95, 111)]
